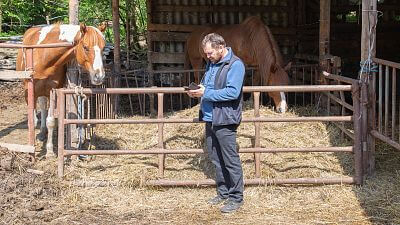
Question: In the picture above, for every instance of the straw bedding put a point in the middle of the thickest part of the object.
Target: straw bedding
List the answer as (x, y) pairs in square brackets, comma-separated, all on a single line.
[(109, 189)]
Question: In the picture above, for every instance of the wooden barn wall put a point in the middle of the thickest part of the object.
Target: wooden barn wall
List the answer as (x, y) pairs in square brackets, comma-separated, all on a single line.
[(170, 22), (346, 31)]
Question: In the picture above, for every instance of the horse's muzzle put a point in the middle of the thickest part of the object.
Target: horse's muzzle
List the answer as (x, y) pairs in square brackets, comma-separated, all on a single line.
[(97, 78), (282, 108)]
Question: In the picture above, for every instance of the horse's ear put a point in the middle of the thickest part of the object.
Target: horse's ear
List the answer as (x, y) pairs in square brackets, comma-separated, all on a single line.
[(83, 28), (102, 27), (288, 66)]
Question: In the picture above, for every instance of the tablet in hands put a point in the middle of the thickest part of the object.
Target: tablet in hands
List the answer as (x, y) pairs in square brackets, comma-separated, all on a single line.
[(192, 86)]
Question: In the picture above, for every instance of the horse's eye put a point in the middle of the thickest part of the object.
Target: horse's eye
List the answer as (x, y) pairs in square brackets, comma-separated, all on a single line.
[(86, 48)]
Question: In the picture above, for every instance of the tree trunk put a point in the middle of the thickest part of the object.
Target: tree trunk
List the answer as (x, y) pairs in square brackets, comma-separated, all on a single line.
[(117, 50), (72, 76), (1, 14), (74, 12)]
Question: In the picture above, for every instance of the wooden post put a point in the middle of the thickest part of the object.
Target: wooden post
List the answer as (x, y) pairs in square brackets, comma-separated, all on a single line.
[(72, 76), (31, 99), (149, 59), (368, 51), (61, 117), (160, 115), (117, 51), (257, 135), (324, 30), (324, 41)]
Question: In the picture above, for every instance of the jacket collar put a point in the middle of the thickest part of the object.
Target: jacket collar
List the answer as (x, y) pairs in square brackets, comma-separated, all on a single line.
[(228, 56)]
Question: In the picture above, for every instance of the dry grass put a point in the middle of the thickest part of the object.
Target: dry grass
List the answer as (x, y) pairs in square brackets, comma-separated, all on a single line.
[(108, 190)]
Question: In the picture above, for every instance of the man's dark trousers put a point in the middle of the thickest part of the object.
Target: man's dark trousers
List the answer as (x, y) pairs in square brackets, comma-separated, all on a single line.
[(221, 147)]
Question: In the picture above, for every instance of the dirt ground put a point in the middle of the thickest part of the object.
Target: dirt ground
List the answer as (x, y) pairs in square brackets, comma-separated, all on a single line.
[(109, 190)]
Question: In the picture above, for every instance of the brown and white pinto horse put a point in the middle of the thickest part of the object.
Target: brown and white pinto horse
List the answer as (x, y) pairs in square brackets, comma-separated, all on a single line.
[(252, 41), (50, 63)]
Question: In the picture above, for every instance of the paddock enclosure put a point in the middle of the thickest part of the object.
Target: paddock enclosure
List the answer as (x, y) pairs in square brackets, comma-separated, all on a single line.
[(139, 130)]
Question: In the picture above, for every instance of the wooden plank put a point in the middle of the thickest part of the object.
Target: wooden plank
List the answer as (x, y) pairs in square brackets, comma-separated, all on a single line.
[(12, 74), (214, 8), (163, 57), (168, 36), (324, 28), (191, 28), (18, 148)]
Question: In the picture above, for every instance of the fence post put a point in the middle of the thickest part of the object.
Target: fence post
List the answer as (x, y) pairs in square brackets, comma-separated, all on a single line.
[(364, 127), (257, 144), (31, 99), (371, 124), (357, 134), (61, 136), (161, 157)]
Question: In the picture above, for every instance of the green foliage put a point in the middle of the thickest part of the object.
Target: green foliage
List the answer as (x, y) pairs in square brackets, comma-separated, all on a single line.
[(19, 15)]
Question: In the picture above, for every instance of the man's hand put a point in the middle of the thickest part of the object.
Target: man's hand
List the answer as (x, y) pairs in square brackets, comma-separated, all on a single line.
[(196, 93)]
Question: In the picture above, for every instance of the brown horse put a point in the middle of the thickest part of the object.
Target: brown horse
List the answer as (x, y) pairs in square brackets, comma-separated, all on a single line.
[(50, 63), (252, 41)]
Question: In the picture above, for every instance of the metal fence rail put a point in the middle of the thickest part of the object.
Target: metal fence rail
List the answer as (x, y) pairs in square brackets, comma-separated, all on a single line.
[(385, 86), (28, 75), (256, 119)]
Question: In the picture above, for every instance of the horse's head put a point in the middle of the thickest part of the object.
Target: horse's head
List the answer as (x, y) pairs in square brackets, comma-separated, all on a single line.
[(89, 52), (279, 76)]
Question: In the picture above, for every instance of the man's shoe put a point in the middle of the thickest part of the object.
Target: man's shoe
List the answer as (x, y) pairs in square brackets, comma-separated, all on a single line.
[(216, 200), (231, 206)]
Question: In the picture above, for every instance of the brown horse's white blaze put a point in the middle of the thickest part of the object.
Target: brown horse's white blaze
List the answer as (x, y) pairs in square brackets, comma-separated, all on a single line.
[(50, 63), (251, 41)]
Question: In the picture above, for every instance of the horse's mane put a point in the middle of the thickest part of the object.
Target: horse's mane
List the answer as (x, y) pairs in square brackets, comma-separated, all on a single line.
[(262, 43)]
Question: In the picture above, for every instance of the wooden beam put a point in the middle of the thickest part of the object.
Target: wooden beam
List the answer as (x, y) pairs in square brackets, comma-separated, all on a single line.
[(190, 28), (368, 36), (163, 57), (18, 148), (12, 74), (324, 28), (168, 36), (214, 8)]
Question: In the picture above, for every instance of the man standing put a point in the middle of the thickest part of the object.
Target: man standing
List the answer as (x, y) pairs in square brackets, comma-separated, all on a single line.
[(221, 109)]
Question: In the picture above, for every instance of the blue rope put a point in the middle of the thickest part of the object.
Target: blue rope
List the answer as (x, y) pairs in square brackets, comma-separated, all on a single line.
[(368, 67)]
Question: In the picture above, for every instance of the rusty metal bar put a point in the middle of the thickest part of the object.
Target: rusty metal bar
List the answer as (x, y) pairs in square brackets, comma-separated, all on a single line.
[(328, 104), (295, 80), (342, 111), (31, 100), (338, 78), (386, 99), (160, 115), (257, 135), (210, 182), (380, 108), (387, 63), (67, 152), (61, 117), (340, 101), (393, 103), (357, 135), (385, 139), (344, 130), (53, 45), (177, 90), (177, 120), (311, 83), (304, 81)]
